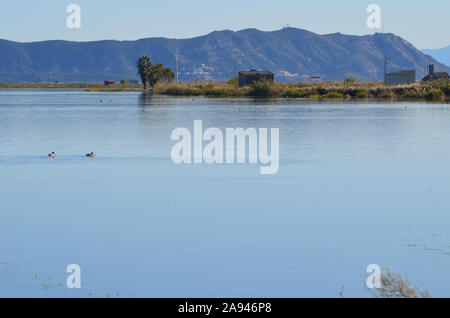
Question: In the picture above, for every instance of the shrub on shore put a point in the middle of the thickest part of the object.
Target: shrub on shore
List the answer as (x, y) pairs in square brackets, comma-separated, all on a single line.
[(262, 89), (362, 94), (434, 95), (334, 95), (299, 93), (381, 93)]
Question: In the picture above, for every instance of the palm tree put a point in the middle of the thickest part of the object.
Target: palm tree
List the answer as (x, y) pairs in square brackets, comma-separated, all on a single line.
[(167, 75), (144, 69), (161, 74), (155, 74)]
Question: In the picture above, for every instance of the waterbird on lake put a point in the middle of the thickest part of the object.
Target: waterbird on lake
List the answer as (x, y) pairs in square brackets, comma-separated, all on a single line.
[(52, 155), (90, 155)]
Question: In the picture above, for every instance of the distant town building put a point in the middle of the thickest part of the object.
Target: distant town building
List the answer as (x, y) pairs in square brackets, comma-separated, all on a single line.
[(248, 77), (402, 77), (133, 81), (432, 75), (107, 83)]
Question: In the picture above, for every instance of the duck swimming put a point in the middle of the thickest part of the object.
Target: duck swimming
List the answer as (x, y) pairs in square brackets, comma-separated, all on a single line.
[(52, 155), (90, 155)]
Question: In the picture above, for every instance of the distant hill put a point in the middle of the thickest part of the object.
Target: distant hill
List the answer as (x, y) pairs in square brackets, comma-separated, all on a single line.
[(293, 54), (441, 55)]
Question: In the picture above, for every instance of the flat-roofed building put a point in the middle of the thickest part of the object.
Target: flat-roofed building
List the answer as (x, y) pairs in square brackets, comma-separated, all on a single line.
[(402, 77), (248, 77)]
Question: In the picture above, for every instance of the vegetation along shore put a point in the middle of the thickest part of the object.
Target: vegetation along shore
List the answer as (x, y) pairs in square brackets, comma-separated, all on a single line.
[(349, 89), (326, 90)]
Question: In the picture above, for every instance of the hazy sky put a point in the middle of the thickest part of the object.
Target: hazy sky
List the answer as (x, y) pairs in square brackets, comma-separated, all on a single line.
[(426, 24)]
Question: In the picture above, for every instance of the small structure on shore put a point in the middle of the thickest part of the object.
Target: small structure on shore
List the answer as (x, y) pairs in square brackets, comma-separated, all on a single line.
[(107, 83), (432, 75), (402, 77), (248, 77)]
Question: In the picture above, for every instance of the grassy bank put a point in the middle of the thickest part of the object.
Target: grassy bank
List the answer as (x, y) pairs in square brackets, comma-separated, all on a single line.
[(433, 91), (438, 90)]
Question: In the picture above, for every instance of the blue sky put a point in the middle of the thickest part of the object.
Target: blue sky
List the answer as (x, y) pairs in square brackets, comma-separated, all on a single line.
[(426, 24)]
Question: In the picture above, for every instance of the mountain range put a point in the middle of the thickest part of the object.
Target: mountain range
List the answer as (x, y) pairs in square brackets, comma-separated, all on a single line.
[(292, 54), (441, 55)]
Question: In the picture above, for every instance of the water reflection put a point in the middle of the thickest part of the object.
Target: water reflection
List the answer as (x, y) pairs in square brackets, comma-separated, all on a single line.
[(145, 99)]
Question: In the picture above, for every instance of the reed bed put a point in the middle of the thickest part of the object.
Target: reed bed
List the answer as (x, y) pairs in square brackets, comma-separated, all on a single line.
[(433, 91), (439, 90)]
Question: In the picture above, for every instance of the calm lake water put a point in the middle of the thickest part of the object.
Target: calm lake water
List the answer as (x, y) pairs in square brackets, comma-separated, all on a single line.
[(359, 184)]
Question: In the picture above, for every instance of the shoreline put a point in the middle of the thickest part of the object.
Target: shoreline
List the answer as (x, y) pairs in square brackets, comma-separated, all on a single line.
[(419, 91)]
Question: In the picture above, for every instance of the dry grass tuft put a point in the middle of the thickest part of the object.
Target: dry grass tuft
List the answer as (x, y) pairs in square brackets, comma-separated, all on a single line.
[(395, 286)]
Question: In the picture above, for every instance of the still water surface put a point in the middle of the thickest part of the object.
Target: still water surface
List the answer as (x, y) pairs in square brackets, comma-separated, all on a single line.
[(358, 184)]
